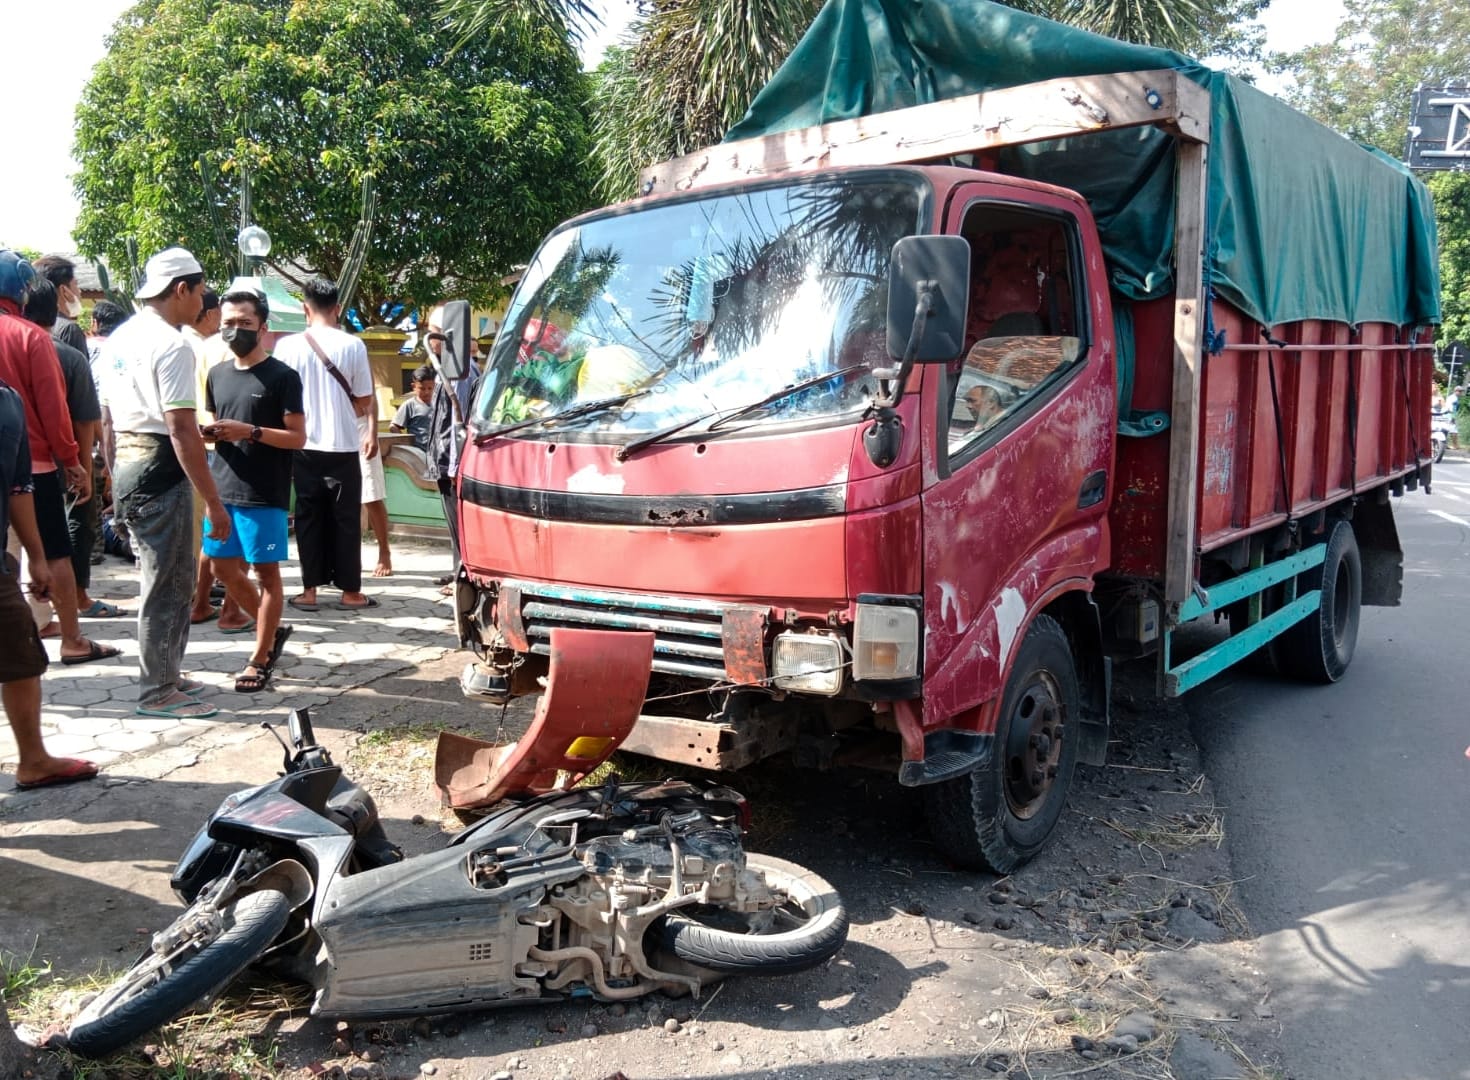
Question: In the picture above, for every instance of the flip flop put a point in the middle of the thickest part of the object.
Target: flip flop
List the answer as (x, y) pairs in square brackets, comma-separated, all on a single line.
[(303, 605), (94, 652), (100, 609), (53, 634), (174, 711), (72, 771), (190, 686), (370, 602), (248, 628), (213, 614)]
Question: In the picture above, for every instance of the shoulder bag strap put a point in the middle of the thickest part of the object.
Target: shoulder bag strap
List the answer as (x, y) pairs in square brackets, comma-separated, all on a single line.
[(332, 368)]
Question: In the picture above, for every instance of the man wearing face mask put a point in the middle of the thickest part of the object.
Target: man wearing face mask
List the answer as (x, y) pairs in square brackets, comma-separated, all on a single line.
[(256, 402), (62, 273)]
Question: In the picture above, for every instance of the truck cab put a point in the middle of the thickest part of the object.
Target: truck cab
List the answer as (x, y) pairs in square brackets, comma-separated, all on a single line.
[(683, 428)]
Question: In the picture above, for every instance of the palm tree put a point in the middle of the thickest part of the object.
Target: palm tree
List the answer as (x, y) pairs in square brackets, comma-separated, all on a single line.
[(686, 74)]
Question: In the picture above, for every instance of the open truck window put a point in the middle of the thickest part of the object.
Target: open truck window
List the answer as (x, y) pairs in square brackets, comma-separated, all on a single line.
[(1023, 334), (706, 304)]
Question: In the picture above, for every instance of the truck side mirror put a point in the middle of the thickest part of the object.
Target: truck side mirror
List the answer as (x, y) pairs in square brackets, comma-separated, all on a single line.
[(455, 361), (930, 272)]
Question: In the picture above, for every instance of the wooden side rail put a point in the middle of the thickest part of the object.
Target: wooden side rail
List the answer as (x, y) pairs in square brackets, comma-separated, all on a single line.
[(1010, 117)]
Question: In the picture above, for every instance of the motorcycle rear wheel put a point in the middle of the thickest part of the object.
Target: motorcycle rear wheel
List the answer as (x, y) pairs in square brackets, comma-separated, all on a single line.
[(802, 933), (149, 996)]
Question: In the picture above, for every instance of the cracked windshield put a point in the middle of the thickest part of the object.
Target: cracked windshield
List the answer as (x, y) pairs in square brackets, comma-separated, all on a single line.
[(692, 312)]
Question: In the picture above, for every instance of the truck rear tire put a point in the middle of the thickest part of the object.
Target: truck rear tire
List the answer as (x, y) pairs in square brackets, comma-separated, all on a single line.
[(1320, 647), (1000, 815)]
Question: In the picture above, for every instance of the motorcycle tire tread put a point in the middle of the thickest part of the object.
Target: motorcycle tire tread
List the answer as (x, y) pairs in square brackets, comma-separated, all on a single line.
[(765, 954), (255, 920)]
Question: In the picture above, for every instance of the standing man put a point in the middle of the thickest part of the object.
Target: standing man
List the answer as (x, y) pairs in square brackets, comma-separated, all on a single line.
[(71, 570), (29, 364), (258, 422), (62, 273), (375, 488), (208, 351), (149, 393), (24, 658), (337, 388), (447, 410)]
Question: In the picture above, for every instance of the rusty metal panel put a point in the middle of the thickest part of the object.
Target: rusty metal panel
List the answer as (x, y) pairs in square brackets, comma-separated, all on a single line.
[(711, 745), (743, 634), (597, 685), (508, 618)]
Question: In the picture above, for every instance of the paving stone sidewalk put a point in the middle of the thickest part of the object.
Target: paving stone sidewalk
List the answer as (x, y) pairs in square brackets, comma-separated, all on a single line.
[(88, 709)]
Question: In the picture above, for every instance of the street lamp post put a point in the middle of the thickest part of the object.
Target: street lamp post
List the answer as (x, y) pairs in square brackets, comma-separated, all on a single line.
[(255, 244)]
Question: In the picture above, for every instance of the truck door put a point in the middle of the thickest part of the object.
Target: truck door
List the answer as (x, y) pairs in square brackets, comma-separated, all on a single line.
[(1019, 482)]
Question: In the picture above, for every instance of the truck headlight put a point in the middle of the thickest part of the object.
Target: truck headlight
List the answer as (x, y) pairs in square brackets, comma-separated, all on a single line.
[(809, 662), (885, 642)]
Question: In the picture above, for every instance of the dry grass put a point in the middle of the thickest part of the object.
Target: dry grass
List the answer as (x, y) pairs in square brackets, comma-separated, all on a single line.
[(232, 1038), (1039, 1046)]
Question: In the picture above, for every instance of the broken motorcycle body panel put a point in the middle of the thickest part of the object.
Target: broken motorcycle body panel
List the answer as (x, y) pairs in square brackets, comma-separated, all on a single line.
[(611, 892)]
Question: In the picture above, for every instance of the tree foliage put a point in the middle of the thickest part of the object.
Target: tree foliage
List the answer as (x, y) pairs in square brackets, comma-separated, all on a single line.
[(687, 73), (1451, 191), (1361, 82), (477, 151), (1225, 29)]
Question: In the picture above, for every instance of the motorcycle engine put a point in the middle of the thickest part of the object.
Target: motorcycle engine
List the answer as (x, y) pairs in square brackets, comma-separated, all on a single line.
[(636, 856)]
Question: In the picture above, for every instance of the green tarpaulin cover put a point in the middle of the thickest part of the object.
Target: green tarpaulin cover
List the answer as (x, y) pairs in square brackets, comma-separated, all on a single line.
[(1303, 223)]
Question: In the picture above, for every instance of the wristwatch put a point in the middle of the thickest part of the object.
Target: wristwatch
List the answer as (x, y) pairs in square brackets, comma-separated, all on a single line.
[(255, 433)]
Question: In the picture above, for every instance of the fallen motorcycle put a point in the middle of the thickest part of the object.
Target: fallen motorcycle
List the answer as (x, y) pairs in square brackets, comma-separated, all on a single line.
[(609, 892)]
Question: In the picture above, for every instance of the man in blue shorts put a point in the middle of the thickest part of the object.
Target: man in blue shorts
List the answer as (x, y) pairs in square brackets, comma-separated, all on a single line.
[(256, 402)]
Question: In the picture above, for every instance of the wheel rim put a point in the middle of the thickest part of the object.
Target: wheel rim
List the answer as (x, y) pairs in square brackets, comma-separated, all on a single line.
[(1034, 746)]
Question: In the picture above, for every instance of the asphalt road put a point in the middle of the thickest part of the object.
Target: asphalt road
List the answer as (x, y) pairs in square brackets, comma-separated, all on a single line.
[(1348, 811)]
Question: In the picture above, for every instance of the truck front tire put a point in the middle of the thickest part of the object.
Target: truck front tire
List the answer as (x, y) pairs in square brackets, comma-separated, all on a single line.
[(1000, 815), (1320, 647)]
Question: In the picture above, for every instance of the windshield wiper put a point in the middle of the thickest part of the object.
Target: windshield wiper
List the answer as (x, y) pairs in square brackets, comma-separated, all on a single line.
[(566, 414), (724, 416)]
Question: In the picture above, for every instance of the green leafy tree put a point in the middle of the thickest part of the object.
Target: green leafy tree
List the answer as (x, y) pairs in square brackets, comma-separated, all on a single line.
[(477, 150), (1451, 191), (1361, 82)]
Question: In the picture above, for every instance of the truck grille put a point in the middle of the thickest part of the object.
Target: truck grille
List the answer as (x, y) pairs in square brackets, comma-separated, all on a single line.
[(687, 633)]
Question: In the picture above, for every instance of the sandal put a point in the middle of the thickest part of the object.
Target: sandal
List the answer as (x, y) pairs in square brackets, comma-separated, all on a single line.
[(101, 609), (94, 652), (248, 682), (254, 678)]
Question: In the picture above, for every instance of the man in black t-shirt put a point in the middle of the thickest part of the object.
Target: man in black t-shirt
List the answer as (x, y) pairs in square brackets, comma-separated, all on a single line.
[(256, 402)]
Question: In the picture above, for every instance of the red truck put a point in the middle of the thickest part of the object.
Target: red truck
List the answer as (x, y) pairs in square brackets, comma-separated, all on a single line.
[(860, 426)]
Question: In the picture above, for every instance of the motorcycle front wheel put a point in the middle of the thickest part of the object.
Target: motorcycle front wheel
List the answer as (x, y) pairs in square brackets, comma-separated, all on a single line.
[(153, 992), (803, 932)]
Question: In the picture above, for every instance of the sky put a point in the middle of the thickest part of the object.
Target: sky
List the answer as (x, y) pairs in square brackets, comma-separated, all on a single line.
[(37, 209)]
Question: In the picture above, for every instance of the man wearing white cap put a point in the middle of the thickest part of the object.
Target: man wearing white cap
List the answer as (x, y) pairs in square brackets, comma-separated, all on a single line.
[(149, 389)]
